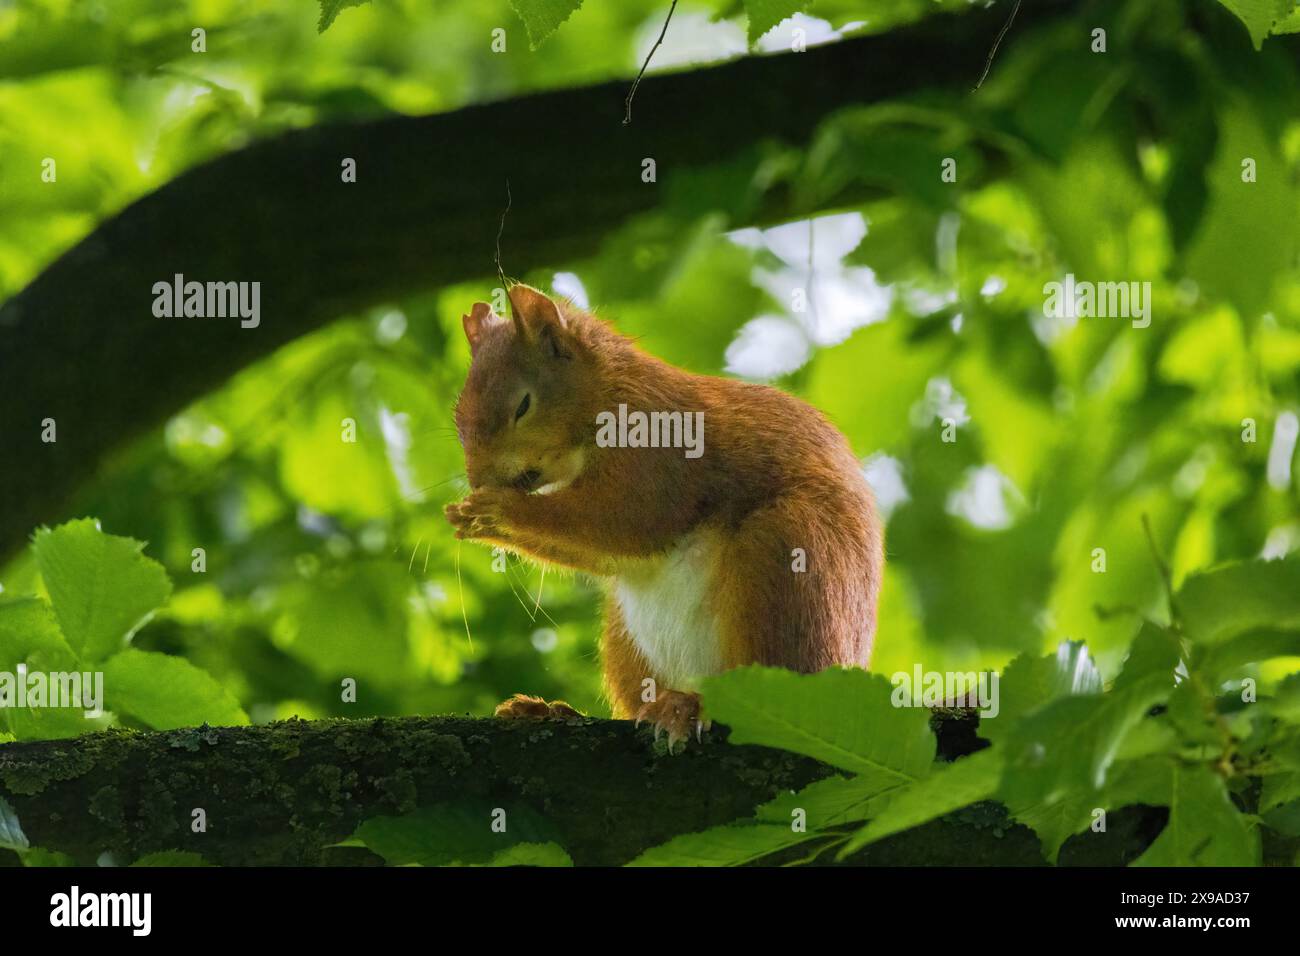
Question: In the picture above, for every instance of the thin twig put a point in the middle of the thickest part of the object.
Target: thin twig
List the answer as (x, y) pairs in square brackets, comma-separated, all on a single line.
[(1162, 567), (988, 64), (627, 104), (500, 229)]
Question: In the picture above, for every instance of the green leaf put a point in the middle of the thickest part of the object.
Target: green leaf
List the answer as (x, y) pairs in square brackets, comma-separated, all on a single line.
[(1230, 600), (101, 586), (828, 803), (1071, 743), (28, 628), (1285, 819), (1193, 717), (1055, 821), (329, 10), (1058, 758), (1221, 661), (1204, 828), (1154, 651), (29, 634), (950, 787), (1030, 682), (40, 857), (765, 14), (1279, 789), (734, 844), (1283, 785), (842, 716), (543, 17), (1285, 704), (532, 854), (167, 692), (172, 858), (1260, 15), (1288, 24), (446, 834)]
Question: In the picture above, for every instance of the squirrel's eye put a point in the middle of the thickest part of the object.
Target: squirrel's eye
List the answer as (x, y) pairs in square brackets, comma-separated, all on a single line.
[(523, 407)]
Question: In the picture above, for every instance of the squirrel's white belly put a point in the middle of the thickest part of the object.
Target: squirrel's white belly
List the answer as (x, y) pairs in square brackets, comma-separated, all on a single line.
[(667, 609)]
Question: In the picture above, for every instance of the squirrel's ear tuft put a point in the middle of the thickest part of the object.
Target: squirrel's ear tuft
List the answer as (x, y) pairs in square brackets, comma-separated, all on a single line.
[(480, 318), (534, 313)]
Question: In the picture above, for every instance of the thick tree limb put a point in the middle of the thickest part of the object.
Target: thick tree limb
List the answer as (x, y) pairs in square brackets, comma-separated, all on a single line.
[(80, 345), (281, 794)]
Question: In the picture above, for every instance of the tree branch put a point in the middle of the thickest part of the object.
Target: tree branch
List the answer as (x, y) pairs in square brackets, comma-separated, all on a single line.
[(283, 793)]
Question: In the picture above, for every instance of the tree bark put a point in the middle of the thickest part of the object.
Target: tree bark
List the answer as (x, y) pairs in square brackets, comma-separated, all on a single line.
[(282, 794), (80, 345)]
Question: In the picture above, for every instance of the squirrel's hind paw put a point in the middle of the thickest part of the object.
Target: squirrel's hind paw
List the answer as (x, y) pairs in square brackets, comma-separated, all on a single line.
[(677, 713), (522, 705)]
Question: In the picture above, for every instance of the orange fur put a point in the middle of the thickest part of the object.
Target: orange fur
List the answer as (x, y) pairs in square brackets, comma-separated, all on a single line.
[(775, 476), (625, 668)]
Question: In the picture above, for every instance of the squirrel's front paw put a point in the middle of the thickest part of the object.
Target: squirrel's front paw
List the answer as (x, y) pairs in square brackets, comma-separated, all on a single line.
[(478, 516), (676, 712), (521, 705)]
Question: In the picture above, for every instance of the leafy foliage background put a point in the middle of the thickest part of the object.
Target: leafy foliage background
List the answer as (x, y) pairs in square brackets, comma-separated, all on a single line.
[(328, 560)]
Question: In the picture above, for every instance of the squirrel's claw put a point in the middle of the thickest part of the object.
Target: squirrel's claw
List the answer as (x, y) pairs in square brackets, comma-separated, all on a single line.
[(700, 727), (675, 713)]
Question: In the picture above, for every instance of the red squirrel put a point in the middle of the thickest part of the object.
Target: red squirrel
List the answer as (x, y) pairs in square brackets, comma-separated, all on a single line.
[(759, 543)]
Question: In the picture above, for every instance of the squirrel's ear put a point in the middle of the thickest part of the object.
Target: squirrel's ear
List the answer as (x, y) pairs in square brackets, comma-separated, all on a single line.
[(477, 322), (535, 313)]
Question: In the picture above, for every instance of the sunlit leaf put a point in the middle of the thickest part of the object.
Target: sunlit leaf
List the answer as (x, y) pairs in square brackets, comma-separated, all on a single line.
[(102, 586), (465, 832), (965, 781), (732, 845), (1204, 827), (543, 17), (1230, 600), (166, 692), (330, 9), (1259, 16), (842, 716)]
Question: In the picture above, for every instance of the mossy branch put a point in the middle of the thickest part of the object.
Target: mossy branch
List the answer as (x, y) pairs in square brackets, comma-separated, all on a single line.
[(283, 794)]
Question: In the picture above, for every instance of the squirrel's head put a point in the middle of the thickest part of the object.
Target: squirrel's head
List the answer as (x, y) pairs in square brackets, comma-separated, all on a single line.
[(523, 416)]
